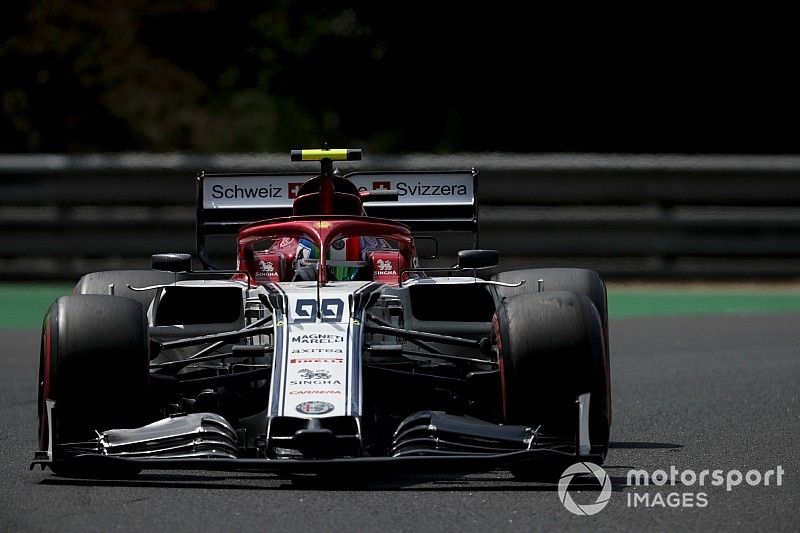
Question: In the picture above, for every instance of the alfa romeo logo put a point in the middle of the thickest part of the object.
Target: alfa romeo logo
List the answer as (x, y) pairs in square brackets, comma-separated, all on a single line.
[(589, 508), (314, 408)]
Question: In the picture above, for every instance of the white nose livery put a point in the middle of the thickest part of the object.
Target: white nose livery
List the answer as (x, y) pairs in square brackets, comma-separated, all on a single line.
[(317, 352)]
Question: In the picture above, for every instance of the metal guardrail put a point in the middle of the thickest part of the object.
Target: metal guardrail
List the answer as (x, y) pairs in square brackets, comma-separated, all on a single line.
[(625, 215)]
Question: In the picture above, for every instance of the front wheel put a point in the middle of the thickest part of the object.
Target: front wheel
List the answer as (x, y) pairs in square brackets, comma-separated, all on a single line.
[(93, 369), (552, 350)]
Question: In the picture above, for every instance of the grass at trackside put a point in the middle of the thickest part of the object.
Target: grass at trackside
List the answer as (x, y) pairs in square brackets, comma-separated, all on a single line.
[(22, 306), (624, 303)]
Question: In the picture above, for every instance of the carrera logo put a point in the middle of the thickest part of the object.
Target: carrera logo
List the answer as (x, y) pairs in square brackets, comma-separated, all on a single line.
[(293, 189), (315, 360), (317, 350), (219, 192)]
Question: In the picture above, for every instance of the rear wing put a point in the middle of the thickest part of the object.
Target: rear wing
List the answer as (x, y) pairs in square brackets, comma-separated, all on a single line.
[(428, 201)]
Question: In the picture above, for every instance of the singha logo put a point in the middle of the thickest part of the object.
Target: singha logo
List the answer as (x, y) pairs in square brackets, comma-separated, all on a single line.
[(314, 374), (266, 266), (384, 264)]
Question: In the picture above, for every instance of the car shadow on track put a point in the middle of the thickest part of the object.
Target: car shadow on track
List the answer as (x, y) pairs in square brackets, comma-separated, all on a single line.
[(491, 482), (640, 445)]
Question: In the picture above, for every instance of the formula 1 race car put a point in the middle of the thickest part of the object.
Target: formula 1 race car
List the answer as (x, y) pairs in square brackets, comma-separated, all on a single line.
[(328, 348)]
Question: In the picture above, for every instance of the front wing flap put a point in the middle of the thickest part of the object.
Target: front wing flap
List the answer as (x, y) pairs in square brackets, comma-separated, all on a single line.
[(411, 465)]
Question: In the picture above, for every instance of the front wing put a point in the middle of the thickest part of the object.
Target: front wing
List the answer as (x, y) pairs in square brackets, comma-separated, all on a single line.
[(427, 442), (444, 464)]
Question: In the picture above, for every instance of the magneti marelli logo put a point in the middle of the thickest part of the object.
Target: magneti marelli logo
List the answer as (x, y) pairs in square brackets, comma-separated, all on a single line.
[(584, 469)]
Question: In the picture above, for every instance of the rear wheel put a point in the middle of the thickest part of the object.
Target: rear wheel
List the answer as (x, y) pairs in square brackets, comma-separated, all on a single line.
[(580, 280), (93, 368), (552, 350), (98, 283)]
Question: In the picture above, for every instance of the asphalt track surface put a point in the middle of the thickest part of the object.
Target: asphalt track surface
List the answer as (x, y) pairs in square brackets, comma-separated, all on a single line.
[(701, 392)]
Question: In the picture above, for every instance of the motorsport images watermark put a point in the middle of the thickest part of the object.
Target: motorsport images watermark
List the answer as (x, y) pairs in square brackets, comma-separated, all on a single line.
[(654, 495), (589, 508)]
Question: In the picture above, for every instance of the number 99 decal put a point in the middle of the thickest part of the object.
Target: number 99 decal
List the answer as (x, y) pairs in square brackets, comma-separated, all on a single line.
[(306, 310)]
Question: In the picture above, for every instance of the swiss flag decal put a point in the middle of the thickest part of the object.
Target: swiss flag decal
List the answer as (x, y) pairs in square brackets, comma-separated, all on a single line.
[(292, 189)]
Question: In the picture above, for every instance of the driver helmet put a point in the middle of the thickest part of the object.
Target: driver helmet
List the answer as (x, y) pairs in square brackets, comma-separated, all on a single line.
[(344, 249)]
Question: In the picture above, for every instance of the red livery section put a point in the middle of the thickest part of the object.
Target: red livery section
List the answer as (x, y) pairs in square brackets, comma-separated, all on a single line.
[(386, 266)]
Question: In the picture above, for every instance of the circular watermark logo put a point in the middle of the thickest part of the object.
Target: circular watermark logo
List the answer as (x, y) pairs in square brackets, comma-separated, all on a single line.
[(589, 508)]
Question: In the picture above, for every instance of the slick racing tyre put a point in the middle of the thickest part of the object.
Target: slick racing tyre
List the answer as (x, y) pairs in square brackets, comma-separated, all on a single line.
[(552, 350), (93, 369), (98, 283), (580, 280)]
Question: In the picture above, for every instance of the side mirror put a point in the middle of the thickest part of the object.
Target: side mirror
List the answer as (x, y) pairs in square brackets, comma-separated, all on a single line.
[(171, 262), (478, 258)]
